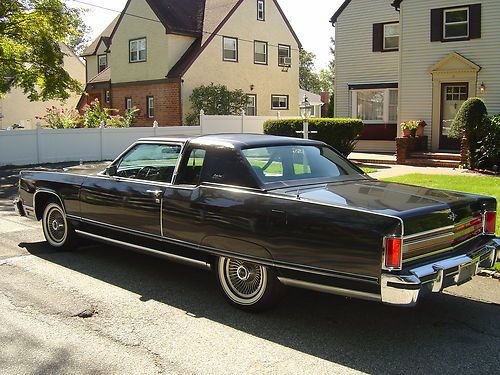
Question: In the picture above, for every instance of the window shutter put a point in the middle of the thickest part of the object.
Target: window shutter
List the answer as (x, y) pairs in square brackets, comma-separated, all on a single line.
[(475, 21), (436, 25), (378, 37)]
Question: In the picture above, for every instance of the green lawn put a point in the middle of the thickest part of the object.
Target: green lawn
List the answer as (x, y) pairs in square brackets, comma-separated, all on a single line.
[(470, 184), (369, 170)]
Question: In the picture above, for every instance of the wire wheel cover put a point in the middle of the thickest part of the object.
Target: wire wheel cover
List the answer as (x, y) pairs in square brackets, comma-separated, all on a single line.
[(243, 282), (56, 225)]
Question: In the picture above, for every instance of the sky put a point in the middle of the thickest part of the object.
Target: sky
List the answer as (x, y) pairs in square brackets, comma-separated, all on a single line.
[(311, 22)]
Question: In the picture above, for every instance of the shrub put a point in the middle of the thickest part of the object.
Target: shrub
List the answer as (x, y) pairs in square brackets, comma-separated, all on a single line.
[(60, 118), (472, 121), (331, 105), (488, 150), (215, 100), (340, 133)]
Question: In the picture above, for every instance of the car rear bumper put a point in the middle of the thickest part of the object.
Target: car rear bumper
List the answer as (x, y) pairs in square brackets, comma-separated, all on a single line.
[(18, 206), (404, 290)]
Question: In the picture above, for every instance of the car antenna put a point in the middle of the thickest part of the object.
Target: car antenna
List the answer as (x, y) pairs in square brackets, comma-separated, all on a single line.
[(298, 193)]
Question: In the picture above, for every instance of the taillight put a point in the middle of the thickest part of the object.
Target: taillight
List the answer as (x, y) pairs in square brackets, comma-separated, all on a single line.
[(393, 252), (490, 221)]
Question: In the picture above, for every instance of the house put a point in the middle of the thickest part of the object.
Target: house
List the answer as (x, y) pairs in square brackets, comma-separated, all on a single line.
[(414, 60), (314, 100), (157, 51), (17, 109)]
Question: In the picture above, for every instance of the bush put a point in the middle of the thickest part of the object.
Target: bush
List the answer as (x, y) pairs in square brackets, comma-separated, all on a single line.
[(488, 150), (60, 118), (340, 133), (215, 100), (472, 121)]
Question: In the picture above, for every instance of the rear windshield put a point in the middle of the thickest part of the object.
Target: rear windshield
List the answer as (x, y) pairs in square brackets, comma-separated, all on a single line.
[(297, 162)]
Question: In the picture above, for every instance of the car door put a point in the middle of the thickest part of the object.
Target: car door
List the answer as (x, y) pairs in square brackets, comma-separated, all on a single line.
[(131, 198)]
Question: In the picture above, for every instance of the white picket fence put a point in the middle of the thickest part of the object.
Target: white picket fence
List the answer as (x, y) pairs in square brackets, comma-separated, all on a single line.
[(28, 147)]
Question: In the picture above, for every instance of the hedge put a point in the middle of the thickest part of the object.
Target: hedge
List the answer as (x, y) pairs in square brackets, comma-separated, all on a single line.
[(340, 133)]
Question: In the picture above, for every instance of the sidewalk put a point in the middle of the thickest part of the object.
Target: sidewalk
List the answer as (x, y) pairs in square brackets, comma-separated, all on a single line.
[(386, 170)]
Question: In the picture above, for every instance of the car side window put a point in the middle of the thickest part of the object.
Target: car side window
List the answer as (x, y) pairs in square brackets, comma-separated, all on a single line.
[(150, 162), (191, 167)]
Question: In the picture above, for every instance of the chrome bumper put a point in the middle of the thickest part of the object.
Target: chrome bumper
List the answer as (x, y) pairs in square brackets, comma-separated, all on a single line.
[(404, 290), (18, 206)]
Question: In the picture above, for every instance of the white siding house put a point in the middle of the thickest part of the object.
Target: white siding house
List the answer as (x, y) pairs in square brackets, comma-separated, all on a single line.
[(448, 51)]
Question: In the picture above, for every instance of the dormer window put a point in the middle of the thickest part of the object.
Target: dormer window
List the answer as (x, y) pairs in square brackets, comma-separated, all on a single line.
[(261, 10), (137, 50), (102, 63)]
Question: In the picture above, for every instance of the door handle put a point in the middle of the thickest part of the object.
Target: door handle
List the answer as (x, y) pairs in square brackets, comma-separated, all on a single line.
[(155, 193)]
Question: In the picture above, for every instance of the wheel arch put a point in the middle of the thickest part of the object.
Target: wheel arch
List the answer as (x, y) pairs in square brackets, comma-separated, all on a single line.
[(40, 199)]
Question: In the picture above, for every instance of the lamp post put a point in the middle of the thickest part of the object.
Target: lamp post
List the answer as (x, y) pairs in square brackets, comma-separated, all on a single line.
[(305, 112)]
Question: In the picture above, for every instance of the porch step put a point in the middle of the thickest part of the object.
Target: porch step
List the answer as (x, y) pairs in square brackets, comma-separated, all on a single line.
[(435, 156), (428, 162)]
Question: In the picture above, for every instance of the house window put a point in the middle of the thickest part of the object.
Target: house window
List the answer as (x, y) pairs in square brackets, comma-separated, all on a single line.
[(102, 63), (279, 101), (260, 52), (107, 96), (137, 50), (230, 52), (150, 101), (456, 23), (391, 36), (458, 93), (375, 106), (128, 103), (261, 10), (251, 105), (284, 55)]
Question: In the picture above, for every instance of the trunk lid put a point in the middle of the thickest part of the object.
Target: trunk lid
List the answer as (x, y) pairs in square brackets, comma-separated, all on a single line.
[(434, 220)]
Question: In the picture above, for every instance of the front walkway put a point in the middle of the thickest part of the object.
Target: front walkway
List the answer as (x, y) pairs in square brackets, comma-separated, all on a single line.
[(385, 171)]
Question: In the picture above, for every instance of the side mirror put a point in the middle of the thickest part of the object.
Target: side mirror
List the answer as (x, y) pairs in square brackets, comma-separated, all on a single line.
[(111, 170)]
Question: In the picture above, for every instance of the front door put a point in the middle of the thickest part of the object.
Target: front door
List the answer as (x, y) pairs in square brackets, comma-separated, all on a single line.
[(453, 96), (132, 197)]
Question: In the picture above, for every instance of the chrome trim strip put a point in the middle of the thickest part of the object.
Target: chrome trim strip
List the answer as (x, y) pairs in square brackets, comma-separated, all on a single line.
[(429, 232), (263, 261), (442, 250), (172, 257), (329, 289), (45, 190)]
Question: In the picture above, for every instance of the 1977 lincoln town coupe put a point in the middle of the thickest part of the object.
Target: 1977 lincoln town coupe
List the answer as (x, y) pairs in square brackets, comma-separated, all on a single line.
[(263, 211)]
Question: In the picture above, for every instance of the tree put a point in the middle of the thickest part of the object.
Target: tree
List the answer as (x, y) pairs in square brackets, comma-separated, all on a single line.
[(215, 100), (308, 78), (31, 33), (327, 75)]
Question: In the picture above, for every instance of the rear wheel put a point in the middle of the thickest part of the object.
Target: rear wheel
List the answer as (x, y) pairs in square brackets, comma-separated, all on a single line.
[(248, 286), (57, 230)]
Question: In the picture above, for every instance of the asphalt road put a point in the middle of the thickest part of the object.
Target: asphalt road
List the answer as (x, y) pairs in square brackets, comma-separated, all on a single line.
[(104, 310)]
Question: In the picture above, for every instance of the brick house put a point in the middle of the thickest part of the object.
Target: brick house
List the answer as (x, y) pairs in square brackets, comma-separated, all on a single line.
[(156, 52)]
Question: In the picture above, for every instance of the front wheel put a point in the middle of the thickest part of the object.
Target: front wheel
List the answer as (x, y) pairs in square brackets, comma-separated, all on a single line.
[(248, 286), (57, 230)]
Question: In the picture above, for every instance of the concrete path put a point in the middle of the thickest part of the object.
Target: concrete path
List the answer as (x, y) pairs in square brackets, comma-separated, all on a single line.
[(385, 171)]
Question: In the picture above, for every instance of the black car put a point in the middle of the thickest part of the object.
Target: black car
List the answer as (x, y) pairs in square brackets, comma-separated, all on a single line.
[(264, 211)]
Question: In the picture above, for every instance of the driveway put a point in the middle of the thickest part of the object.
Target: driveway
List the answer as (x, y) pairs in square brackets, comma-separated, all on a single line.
[(100, 309)]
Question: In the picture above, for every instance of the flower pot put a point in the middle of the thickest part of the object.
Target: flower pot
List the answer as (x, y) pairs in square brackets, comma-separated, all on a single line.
[(406, 133), (420, 129)]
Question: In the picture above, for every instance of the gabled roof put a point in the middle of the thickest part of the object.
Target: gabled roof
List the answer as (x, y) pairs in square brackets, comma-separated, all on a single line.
[(183, 17), (104, 37), (217, 13), (104, 76), (336, 15)]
